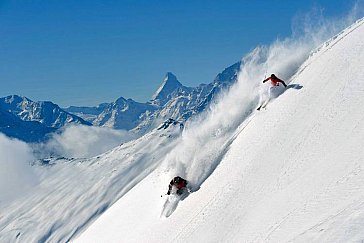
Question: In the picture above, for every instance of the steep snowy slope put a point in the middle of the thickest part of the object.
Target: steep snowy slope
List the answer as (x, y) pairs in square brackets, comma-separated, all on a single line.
[(291, 173)]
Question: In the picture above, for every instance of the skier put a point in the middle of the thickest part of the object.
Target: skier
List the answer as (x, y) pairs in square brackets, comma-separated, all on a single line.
[(275, 81), (179, 183)]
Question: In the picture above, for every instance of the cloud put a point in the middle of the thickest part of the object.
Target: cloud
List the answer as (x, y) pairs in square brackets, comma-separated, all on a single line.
[(16, 174), (207, 137), (78, 141)]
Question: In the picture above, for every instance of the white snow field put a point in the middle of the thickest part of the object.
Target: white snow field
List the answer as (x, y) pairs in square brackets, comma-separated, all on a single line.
[(293, 172), (73, 192)]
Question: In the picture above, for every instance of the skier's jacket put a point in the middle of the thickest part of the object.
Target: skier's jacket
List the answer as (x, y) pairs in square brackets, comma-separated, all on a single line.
[(275, 81), (178, 182)]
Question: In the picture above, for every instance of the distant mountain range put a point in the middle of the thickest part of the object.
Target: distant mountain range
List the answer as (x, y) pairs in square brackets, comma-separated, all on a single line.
[(31, 121), (171, 100)]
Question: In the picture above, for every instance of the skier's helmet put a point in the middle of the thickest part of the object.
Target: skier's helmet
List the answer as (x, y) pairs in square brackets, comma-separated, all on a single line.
[(273, 76), (177, 179)]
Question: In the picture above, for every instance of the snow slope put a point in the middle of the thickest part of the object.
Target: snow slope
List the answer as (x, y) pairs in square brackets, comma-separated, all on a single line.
[(73, 192), (291, 173)]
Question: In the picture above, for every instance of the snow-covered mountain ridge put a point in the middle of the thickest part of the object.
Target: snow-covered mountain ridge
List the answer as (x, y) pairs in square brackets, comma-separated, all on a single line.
[(87, 113), (171, 100), (45, 112), (164, 92), (29, 131), (33, 120)]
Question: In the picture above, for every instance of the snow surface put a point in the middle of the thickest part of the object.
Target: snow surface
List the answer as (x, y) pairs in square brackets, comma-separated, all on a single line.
[(290, 173), (72, 192)]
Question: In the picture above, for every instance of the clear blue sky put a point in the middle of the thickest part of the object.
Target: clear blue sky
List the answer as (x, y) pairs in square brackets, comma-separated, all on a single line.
[(88, 52)]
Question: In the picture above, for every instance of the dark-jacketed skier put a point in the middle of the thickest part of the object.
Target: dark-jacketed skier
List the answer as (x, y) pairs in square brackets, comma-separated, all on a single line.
[(179, 183)]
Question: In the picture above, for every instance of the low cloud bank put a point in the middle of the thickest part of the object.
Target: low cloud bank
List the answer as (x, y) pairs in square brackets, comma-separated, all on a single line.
[(78, 141), (16, 174)]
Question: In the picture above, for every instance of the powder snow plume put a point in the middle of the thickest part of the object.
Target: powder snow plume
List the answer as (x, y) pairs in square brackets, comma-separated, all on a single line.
[(207, 137)]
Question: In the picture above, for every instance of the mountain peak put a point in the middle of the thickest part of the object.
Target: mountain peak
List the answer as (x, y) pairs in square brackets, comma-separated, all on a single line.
[(170, 81), (170, 77), (170, 84), (15, 99)]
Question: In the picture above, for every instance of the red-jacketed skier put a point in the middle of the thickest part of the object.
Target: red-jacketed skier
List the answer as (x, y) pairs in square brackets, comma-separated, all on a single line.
[(275, 81)]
